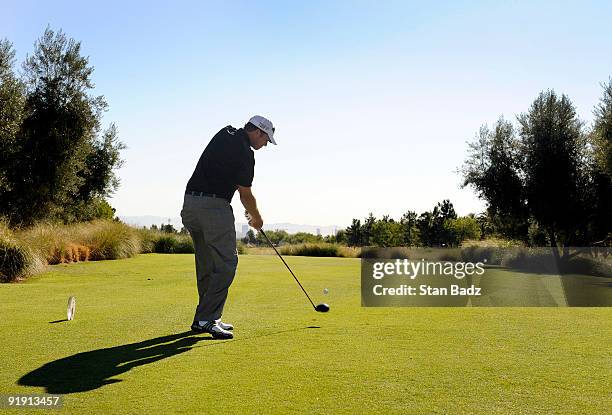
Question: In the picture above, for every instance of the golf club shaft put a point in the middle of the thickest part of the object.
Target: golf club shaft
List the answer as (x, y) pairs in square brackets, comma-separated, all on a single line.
[(281, 257)]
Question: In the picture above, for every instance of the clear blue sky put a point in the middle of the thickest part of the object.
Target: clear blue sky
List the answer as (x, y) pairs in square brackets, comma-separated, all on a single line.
[(373, 100)]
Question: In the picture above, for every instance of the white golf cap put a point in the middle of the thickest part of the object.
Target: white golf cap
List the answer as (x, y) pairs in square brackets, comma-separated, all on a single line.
[(264, 125)]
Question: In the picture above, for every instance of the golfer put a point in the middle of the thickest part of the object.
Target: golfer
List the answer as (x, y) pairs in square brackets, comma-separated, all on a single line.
[(226, 164)]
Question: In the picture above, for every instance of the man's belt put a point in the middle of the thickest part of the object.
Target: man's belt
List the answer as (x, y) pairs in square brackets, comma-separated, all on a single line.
[(204, 194)]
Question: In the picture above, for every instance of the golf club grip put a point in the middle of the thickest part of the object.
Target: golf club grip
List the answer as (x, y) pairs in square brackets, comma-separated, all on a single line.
[(282, 259)]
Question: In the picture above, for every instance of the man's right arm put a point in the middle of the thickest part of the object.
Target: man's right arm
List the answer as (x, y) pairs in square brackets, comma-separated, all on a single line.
[(250, 204)]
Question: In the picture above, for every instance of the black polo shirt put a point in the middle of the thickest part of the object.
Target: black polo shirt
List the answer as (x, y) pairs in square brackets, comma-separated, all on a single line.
[(227, 161)]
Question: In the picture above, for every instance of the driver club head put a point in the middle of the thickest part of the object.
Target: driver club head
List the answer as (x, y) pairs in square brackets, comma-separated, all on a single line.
[(322, 308)]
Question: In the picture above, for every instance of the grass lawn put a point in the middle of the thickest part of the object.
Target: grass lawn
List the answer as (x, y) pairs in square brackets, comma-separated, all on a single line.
[(129, 350)]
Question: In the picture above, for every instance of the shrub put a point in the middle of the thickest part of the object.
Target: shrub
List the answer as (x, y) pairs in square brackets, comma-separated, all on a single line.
[(403, 252), (240, 248), (321, 249), (47, 240), (147, 240), (173, 244), (25, 252), (165, 244), (489, 254), (317, 250), (449, 255), (107, 239), (588, 266), (493, 250), (349, 251), (531, 259), (101, 239), (16, 260), (492, 243), (156, 241), (70, 253), (184, 245)]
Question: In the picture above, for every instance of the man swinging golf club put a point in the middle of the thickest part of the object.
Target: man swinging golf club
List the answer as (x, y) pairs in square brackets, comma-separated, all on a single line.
[(226, 164)]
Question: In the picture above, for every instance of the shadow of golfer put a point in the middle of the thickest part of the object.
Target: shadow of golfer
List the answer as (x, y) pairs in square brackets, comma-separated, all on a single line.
[(86, 371), (91, 370)]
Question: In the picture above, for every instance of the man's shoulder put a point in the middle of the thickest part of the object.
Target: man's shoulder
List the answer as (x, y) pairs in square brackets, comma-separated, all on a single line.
[(235, 138), (225, 136), (227, 130)]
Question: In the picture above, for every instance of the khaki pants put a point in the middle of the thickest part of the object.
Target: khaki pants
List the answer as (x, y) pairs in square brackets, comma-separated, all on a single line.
[(210, 222)]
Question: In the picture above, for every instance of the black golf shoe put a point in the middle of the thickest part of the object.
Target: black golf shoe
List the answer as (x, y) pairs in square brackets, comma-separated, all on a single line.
[(212, 328)]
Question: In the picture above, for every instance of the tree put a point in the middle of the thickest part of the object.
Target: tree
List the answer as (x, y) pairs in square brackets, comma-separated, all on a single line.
[(61, 164), (493, 169), (430, 225), (410, 232), (386, 233), (167, 228), (95, 208), (303, 237), (353, 233), (338, 238), (341, 236), (12, 101), (99, 177), (425, 225), (603, 130), (276, 237), (601, 142), (536, 235), (447, 210), (366, 230), (443, 212), (460, 229), (555, 169), (485, 224), (250, 238)]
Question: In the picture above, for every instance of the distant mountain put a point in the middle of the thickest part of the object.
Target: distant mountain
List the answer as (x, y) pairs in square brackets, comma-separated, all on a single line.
[(314, 229), (241, 227), (149, 220)]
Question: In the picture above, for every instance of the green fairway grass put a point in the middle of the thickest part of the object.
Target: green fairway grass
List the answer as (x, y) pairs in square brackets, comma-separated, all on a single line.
[(129, 350)]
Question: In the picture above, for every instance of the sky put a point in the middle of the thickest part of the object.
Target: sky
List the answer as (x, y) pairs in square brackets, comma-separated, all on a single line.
[(373, 101)]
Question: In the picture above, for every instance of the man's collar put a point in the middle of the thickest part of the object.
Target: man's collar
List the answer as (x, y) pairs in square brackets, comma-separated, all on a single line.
[(242, 132)]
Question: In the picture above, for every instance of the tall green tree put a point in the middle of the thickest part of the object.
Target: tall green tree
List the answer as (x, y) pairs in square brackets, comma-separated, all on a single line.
[(250, 238), (555, 168), (366, 230), (64, 161), (353, 233), (386, 233), (601, 142), (339, 237), (494, 169), (444, 212), (430, 225), (410, 232), (426, 226), (12, 101), (603, 130)]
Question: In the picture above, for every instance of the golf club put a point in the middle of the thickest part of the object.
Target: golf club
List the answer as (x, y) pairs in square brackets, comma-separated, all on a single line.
[(321, 308)]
